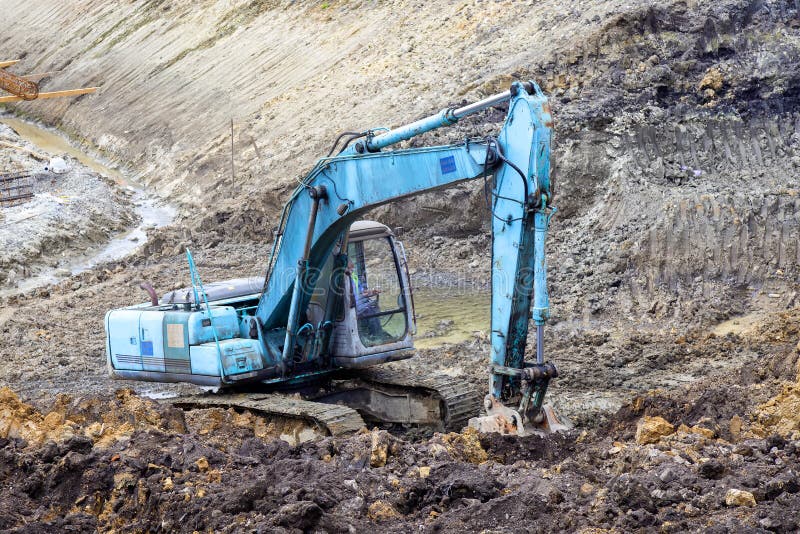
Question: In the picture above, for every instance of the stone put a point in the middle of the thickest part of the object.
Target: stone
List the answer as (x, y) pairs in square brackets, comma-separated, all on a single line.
[(736, 497), (379, 452), (667, 476), (652, 429), (735, 426), (712, 80), (354, 506), (699, 430), (381, 511), (202, 464)]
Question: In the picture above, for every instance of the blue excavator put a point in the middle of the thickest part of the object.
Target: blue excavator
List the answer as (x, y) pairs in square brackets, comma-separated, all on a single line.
[(308, 340)]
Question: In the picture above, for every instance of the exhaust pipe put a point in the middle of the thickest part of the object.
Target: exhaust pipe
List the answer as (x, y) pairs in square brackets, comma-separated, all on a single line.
[(150, 291)]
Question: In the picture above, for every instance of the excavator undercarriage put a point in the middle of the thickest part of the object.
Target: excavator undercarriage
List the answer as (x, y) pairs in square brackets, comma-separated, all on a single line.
[(349, 400)]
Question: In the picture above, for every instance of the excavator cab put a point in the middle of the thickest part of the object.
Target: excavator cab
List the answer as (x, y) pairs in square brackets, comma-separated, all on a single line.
[(373, 323), (376, 321)]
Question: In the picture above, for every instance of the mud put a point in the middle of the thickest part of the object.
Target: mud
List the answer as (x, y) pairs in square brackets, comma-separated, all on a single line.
[(151, 470), (69, 212), (89, 215), (673, 269)]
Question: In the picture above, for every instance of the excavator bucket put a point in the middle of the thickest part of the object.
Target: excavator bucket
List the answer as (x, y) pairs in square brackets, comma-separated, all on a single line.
[(504, 420)]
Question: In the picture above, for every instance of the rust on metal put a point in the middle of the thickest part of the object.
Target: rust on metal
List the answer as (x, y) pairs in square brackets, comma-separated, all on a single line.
[(26, 88), (15, 189), (548, 112), (17, 86)]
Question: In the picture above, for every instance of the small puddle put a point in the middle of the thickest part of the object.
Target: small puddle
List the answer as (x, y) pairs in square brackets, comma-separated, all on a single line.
[(453, 317), (54, 143), (152, 211), (157, 395)]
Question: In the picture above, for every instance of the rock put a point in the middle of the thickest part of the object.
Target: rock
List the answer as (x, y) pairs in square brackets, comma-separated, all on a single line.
[(465, 446), (424, 472), (354, 506), (735, 426), (699, 430), (380, 449), (712, 80), (202, 464), (381, 511), (58, 166), (667, 476), (736, 497), (652, 429), (665, 497)]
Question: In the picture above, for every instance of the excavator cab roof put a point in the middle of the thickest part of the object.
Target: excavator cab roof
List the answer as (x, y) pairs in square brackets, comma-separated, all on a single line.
[(366, 229)]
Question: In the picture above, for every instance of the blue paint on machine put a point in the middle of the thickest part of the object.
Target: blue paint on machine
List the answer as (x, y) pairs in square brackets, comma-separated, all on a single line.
[(299, 321), (448, 164)]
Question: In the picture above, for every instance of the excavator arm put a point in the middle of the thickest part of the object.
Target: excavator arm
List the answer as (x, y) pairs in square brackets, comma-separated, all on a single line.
[(340, 189)]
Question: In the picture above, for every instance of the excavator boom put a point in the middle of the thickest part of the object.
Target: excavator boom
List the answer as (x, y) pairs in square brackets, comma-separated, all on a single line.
[(341, 189)]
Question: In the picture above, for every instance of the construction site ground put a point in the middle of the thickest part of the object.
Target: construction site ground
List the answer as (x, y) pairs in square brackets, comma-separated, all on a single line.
[(673, 266)]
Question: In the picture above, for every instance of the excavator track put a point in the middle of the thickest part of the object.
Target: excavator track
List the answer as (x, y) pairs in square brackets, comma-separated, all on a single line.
[(458, 401), (335, 419), (382, 395)]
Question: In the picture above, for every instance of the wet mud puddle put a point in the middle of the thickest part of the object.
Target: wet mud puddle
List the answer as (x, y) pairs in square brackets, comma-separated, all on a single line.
[(446, 317), (152, 211)]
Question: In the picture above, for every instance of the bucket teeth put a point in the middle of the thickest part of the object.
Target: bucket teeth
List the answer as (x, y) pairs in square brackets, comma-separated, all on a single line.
[(504, 420)]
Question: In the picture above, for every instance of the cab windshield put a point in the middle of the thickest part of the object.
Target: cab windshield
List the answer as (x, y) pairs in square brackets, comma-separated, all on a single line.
[(376, 291)]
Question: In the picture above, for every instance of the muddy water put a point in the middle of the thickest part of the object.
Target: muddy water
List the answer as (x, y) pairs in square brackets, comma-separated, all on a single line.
[(153, 213), (52, 142), (435, 309)]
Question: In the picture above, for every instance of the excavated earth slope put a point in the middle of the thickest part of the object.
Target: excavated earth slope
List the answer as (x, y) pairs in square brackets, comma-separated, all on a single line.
[(674, 262)]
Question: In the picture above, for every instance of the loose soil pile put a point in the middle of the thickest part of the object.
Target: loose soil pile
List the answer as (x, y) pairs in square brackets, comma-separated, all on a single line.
[(698, 458)]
